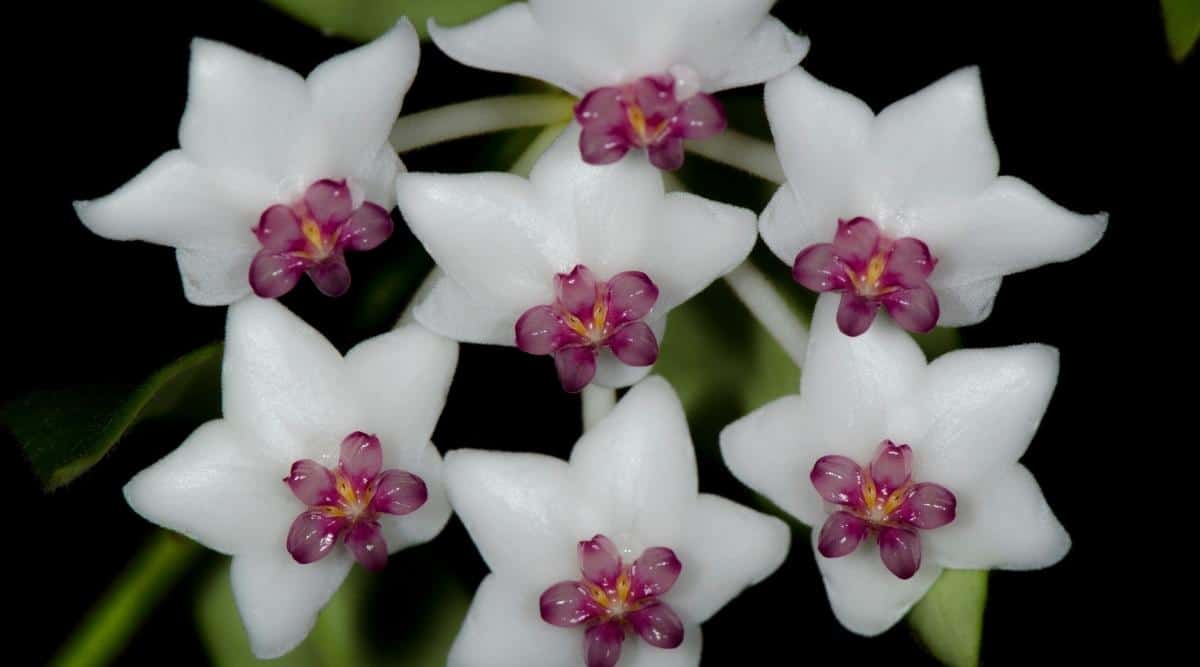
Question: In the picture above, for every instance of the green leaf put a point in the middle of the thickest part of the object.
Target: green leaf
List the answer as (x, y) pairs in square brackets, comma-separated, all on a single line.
[(1182, 19), (948, 621), (364, 20), (66, 432)]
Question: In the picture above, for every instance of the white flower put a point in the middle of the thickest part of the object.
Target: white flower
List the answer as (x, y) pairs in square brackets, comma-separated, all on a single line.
[(579, 261), (926, 169), (304, 164), (581, 45), (289, 401), (621, 521), (967, 418)]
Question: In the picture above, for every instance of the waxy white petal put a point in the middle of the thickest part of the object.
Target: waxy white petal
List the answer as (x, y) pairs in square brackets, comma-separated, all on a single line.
[(614, 373), (278, 598), (426, 523), (215, 276), (504, 629), (770, 50), (450, 310)]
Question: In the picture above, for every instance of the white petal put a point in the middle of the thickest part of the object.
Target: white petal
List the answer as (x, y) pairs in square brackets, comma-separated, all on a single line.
[(217, 490), (504, 628), (692, 242), (517, 508), (821, 135), (979, 411), (215, 276), (849, 384), (509, 40), (639, 462), (725, 549), (772, 450), (767, 52), (423, 525), (967, 304), (1010, 227), (175, 202), (614, 373), (243, 112), (282, 381), (637, 653), (278, 598), (485, 232), (1005, 524), (450, 310), (402, 378), (356, 98), (866, 597), (933, 146), (607, 213)]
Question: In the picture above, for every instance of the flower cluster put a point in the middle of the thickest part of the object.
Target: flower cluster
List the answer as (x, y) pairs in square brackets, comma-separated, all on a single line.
[(901, 467)]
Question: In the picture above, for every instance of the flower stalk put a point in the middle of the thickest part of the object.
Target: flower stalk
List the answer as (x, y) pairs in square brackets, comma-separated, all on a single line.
[(769, 308), (476, 117)]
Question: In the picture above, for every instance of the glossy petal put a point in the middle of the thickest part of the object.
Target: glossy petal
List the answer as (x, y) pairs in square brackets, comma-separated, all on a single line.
[(658, 625), (399, 492), (602, 644), (900, 550), (841, 534), (273, 275), (701, 117), (279, 230), (637, 653), (568, 603), (329, 202), (516, 508), (576, 367), (541, 330), (188, 491), (822, 151), (243, 112), (1005, 524), (855, 314), (838, 480), (653, 573), (314, 535), (599, 561), (576, 291), (503, 629), (634, 344), (891, 468), (818, 268), (631, 296), (866, 598), (910, 263), (666, 154), (721, 536), (361, 458), (856, 241), (331, 276), (366, 542), (312, 483), (426, 522), (926, 506), (613, 373), (639, 462), (367, 228), (913, 309), (278, 598), (605, 146)]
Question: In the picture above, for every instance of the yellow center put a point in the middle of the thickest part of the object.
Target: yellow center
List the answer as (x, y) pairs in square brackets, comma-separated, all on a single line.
[(620, 604), (318, 249), (867, 284), (637, 120)]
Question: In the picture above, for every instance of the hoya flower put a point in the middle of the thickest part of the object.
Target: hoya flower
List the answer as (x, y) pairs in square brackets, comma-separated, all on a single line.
[(645, 71), (319, 462), (905, 210), (610, 558), (578, 262), (276, 175), (903, 468)]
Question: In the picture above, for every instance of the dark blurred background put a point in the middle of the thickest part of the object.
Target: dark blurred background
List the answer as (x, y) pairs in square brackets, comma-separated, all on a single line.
[(1084, 103)]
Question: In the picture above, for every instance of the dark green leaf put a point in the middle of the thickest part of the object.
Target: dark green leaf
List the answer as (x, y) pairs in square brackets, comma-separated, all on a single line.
[(66, 432), (364, 20), (1182, 18), (949, 619)]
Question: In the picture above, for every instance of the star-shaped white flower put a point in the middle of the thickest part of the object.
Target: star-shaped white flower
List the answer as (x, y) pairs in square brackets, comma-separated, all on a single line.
[(615, 546), (918, 219), (276, 175), (314, 450), (580, 262), (645, 70), (944, 490)]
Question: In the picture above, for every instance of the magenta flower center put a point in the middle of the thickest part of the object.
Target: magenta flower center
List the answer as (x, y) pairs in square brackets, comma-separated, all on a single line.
[(587, 315), (882, 501), (614, 598), (346, 503), (312, 236), (872, 270), (655, 113)]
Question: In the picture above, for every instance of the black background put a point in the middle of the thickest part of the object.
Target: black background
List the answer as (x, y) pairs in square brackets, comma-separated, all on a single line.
[(1083, 101)]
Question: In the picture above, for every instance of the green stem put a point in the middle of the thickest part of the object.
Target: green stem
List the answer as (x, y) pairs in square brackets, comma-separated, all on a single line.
[(540, 143), (769, 308), (115, 617), (490, 114), (751, 155)]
